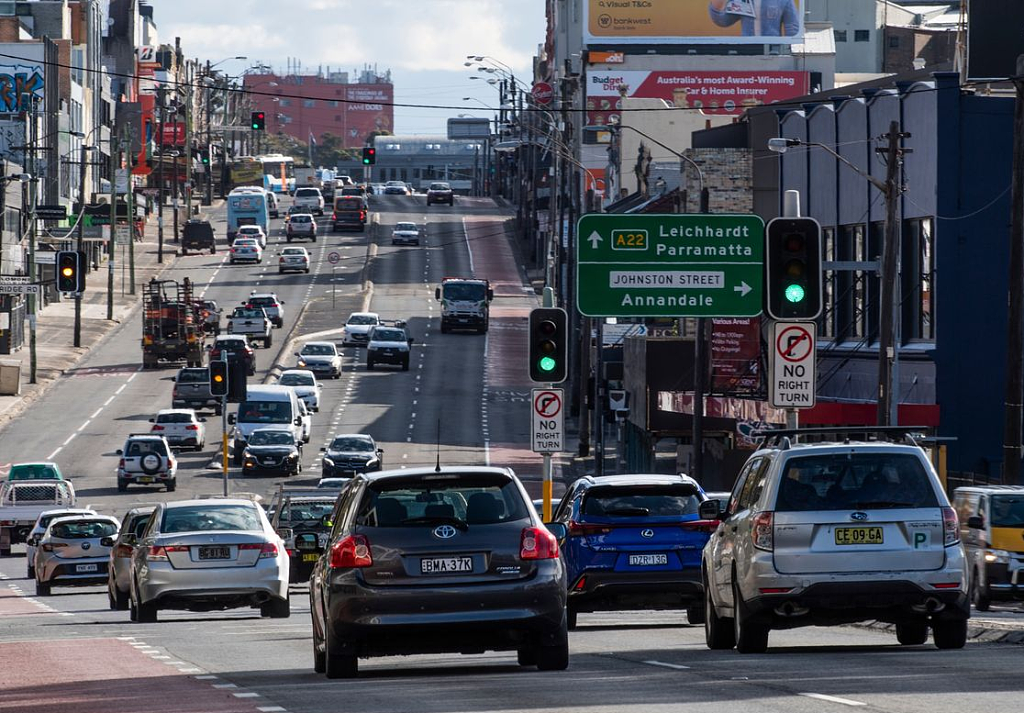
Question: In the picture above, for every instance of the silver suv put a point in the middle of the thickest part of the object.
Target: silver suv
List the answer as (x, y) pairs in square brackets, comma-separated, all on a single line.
[(834, 533)]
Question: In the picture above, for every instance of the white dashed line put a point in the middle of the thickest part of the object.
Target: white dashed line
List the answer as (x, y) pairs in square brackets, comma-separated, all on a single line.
[(832, 699), (678, 667)]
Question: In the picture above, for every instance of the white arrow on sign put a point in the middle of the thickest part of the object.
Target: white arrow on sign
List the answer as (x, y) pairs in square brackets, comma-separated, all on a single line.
[(595, 240), (743, 289)]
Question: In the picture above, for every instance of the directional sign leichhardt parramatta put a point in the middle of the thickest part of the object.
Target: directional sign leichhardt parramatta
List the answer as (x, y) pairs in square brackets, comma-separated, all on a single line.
[(670, 265)]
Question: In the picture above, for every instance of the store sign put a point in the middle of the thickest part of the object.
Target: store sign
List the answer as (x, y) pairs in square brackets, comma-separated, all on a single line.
[(19, 83), (595, 57), (735, 348), (173, 134)]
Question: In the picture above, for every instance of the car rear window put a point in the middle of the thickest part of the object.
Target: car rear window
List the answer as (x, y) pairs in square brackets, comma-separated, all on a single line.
[(263, 301), (174, 418), (83, 530), (1007, 511), (301, 218), (33, 471), (440, 187), (388, 335), (471, 499), (297, 380), (641, 501), (307, 193), (306, 510), (858, 481), (198, 518), (361, 319), (193, 376)]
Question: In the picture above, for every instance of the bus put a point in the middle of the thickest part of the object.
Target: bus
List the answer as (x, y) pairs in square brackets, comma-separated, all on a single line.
[(278, 173), (247, 207)]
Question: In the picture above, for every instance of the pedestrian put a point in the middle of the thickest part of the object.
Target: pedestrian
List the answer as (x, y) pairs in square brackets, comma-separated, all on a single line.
[(757, 18)]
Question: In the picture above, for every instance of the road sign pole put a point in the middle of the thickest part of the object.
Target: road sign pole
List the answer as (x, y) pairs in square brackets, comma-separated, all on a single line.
[(224, 439), (334, 285), (548, 487)]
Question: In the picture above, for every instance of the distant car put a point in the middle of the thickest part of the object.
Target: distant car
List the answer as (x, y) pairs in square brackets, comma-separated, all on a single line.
[(405, 234), (245, 250), (396, 188), (358, 326), (209, 555), (304, 382), (306, 416), (293, 260), (332, 483), (209, 312), (42, 522), (255, 232), (146, 459), (311, 199), (74, 552), (440, 193), (192, 390), (35, 471), (118, 570), (301, 225), (270, 304), (321, 358), (272, 451), (413, 555), (237, 347), (722, 496), (181, 427), (300, 520), (388, 345), (350, 453), (198, 236)]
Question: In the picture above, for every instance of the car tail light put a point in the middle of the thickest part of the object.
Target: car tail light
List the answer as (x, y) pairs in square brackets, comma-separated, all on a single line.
[(700, 525), (947, 585), (581, 584), (581, 529), (160, 552), (174, 391), (192, 427), (268, 550), (123, 551), (536, 543), (120, 463), (334, 216), (352, 551), (51, 546), (762, 530), (950, 527), (362, 215), (156, 428), (147, 340)]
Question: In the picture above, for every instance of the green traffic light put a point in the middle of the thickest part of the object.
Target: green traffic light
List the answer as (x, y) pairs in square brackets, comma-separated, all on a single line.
[(795, 293), (547, 364)]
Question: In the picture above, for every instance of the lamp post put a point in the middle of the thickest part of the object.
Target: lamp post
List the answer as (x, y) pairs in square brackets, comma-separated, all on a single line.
[(81, 239)]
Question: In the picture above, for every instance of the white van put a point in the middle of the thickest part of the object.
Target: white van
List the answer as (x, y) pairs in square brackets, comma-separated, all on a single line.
[(264, 406)]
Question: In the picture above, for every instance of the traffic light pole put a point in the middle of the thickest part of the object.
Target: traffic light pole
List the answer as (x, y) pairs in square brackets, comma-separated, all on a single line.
[(224, 439), (699, 387), (81, 244)]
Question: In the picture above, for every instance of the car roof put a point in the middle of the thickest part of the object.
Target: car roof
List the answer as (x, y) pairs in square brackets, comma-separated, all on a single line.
[(174, 504), (641, 479), (322, 344), (445, 470), (832, 447), (176, 410), (84, 516), (69, 511), (144, 436), (304, 372), (364, 314)]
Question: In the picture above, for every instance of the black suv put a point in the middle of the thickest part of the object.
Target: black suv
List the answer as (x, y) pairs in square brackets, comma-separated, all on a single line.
[(437, 560)]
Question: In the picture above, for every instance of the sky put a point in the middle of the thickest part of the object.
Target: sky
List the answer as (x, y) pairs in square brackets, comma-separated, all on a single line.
[(423, 42)]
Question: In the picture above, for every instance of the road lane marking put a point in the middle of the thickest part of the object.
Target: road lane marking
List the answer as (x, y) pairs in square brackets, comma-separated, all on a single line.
[(270, 709), (107, 402), (120, 389), (82, 427), (208, 677), (246, 694), (832, 699), (70, 438), (96, 413), (54, 454), (677, 667)]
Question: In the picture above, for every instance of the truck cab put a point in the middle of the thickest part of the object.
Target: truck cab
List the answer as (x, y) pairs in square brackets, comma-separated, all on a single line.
[(465, 303)]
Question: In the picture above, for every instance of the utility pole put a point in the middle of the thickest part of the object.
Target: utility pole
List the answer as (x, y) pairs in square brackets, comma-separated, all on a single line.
[(131, 214), (161, 101), (888, 398), (81, 243), (115, 164), (209, 139), (1012, 415), (33, 300), (699, 387)]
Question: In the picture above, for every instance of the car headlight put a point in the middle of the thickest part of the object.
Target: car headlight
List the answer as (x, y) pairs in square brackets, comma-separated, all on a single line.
[(302, 362), (328, 461), (997, 556), (372, 461)]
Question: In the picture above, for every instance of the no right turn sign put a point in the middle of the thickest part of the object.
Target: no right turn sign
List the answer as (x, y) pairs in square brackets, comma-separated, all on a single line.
[(547, 431), (791, 372)]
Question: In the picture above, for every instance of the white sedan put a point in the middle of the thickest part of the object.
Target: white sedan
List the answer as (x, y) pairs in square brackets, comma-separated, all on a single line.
[(181, 427), (305, 385), (246, 249), (405, 234), (255, 232), (293, 259), (358, 326)]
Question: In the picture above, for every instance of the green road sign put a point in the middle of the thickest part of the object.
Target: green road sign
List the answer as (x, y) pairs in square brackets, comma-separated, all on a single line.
[(670, 265)]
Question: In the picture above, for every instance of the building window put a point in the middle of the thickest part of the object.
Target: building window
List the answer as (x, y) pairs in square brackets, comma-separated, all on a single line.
[(308, 103), (285, 102), (861, 35), (894, 41), (827, 323), (917, 283), (840, 35), (334, 104)]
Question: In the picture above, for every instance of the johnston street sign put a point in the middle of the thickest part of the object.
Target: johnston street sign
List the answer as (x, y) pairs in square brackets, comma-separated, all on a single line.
[(671, 265)]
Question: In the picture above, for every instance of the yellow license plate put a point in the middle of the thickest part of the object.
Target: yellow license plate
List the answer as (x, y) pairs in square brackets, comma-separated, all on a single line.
[(310, 557), (859, 536)]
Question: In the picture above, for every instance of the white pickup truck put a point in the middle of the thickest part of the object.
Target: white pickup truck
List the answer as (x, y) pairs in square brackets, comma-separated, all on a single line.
[(253, 323), (21, 504)]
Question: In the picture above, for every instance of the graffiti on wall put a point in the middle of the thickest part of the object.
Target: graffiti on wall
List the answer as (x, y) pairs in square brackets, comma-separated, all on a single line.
[(18, 83)]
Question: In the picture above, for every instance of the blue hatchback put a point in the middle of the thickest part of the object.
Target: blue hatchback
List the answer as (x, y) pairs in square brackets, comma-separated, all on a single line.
[(634, 542)]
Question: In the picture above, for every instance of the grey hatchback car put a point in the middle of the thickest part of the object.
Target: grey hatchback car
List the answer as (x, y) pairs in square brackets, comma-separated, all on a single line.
[(119, 570), (446, 560)]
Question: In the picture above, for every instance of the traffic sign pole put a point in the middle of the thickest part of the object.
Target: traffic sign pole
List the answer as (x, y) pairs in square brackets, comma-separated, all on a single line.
[(547, 413)]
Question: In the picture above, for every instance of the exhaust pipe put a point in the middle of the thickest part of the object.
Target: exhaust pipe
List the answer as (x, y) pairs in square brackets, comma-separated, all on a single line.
[(931, 605), (790, 609)]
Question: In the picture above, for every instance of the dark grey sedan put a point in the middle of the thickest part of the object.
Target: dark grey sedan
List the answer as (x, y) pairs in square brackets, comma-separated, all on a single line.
[(450, 560)]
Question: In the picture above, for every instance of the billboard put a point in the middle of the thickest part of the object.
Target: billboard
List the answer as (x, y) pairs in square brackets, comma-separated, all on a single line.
[(693, 22), (19, 84), (995, 38), (735, 347), (721, 92), (469, 128)]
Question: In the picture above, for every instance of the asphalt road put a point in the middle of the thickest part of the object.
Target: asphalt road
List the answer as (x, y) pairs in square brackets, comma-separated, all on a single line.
[(465, 400)]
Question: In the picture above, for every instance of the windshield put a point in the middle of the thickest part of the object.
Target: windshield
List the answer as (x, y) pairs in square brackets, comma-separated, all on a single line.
[(34, 471), (1008, 511), (192, 518), (459, 499), (263, 301), (271, 438), (350, 443), (361, 319), (83, 529), (439, 187), (307, 193), (264, 412), (388, 335), (318, 350), (306, 510), (293, 251), (855, 481), (641, 501), (297, 380), (193, 376), (406, 226), (461, 291)]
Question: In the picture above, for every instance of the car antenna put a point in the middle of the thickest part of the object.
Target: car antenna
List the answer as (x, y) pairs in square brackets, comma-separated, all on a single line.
[(437, 467)]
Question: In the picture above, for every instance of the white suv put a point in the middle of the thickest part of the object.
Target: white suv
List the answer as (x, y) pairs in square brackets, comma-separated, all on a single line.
[(834, 533), (146, 459), (310, 198)]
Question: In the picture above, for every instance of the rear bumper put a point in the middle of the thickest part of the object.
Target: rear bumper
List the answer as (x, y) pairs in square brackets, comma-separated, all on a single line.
[(464, 320), (381, 358), (609, 591), (63, 573), (183, 440), (214, 588), (1002, 584), (145, 479)]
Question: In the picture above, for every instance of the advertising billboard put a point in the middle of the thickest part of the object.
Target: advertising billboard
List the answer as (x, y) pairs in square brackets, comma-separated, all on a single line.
[(721, 92), (694, 22)]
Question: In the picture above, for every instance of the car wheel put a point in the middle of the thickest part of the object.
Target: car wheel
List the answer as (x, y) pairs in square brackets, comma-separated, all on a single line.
[(555, 657), (405, 365), (526, 657), (338, 664), (42, 589), (950, 634), (111, 604), (369, 365), (146, 612), (695, 614), (171, 486), (280, 271), (276, 608), (119, 600), (913, 633), (718, 632), (570, 617), (237, 458), (268, 342), (979, 597), (751, 638), (30, 572), (307, 270)]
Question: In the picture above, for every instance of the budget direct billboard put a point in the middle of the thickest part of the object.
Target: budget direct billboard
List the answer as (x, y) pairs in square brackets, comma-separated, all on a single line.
[(694, 21), (722, 92)]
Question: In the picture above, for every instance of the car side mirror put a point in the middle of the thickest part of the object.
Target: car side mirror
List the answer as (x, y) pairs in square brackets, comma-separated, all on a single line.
[(202, 420), (119, 452), (285, 533), (131, 540), (152, 420), (323, 449), (107, 542), (710, 510), (298, 420), (437, 294), (209, 347), (32, 541), (380, 451), (976, 522), (558, 529), (232, 419)]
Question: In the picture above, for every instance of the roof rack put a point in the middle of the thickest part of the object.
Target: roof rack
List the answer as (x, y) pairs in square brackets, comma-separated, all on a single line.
[(909, 435)]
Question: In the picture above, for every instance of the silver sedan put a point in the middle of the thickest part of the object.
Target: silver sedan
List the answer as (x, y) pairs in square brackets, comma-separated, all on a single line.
[(209, 555), (74, 552)]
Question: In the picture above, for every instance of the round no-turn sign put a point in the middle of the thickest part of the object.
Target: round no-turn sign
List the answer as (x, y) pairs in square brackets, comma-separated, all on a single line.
[(333, 257), (547, 427)]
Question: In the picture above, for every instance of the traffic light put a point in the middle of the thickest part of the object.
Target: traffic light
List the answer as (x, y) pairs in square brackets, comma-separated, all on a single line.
[(548, 345), (793, 263), (369, 155), (259, 121), (219, 378), (70, 271), (238, 378)]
